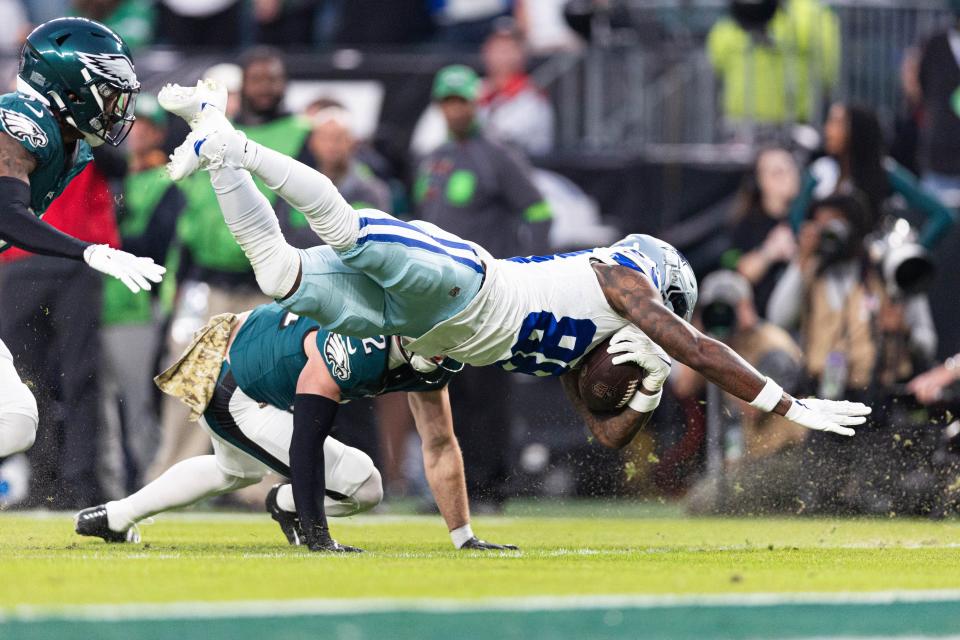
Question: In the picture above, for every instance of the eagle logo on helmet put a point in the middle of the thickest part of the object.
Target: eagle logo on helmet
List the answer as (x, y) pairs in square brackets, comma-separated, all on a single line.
[(23, 128), (115, 68)]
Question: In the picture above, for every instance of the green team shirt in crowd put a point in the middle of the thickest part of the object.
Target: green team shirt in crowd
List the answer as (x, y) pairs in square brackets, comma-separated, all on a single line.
[(201, 228), (267, 356), (34, 126), (481, 191), (144, 194), (132, 20)]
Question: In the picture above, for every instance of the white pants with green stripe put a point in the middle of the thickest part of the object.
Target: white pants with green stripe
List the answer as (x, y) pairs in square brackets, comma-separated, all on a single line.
[(255, 439)]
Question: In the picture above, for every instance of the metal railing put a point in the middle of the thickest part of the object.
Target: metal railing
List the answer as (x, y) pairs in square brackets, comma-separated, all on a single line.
[(647, 85)]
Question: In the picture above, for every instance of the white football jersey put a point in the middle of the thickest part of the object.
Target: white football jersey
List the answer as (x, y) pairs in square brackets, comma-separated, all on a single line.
[(537, 315)]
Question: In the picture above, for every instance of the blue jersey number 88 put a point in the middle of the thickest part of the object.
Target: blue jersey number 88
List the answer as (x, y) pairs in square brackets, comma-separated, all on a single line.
[(546, 346)]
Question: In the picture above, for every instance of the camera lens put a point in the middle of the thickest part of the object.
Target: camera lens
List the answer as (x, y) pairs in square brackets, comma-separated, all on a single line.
[(719, 319)]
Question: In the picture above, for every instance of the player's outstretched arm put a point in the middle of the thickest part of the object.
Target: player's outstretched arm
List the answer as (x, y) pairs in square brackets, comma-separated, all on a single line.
[(443, 464), (20, 228), (633, 296), (314, 408), (615, 429)]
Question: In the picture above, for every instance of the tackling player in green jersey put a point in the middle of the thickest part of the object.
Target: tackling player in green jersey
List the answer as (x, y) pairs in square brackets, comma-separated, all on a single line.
[(76, 88), (278, 379)]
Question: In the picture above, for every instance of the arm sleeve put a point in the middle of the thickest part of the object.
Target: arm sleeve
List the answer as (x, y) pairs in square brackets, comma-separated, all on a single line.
[(22, 229), (312, 421), (939, 217)]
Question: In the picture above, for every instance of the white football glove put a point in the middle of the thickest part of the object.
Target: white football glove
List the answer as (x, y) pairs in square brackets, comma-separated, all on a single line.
[(635, 346), (834, 416), (136, 273)]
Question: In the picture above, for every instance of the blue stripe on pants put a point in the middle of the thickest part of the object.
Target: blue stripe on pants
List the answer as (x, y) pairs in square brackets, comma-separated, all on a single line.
[(419, 244)]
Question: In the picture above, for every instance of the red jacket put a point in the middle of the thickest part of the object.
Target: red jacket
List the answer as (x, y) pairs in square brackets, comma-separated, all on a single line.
[(84, 210)]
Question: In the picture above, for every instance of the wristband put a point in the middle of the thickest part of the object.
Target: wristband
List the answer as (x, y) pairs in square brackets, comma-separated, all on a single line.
[(769, 397), (461, 535), (643, 403)]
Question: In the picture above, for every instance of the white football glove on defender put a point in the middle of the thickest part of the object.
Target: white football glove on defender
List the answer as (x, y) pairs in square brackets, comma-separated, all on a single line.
[(834, 416), (635, 346), (137, 273)]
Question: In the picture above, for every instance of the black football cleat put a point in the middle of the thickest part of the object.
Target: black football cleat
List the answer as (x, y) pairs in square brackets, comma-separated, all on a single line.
[(322, 542), (288, 520), (93, 522), (476, 544)]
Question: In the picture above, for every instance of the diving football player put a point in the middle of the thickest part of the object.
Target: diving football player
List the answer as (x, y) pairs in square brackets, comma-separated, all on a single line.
[(538, 315)]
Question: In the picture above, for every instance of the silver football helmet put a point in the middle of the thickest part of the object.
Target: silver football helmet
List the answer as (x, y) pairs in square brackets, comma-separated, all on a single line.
[(678, 284)]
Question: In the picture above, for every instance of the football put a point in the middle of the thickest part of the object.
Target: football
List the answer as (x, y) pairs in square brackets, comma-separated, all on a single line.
[(605, 386)]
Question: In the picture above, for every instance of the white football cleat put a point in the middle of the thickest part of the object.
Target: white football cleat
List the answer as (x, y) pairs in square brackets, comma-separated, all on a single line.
[(205, 150), (190, 102)]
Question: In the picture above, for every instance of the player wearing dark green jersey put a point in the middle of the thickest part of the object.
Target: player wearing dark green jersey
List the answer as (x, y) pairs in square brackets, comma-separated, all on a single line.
[(279, 383), (76, 87)]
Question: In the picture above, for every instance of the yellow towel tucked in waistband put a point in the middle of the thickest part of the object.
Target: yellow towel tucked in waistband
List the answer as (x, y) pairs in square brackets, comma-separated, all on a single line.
[(193, 377)]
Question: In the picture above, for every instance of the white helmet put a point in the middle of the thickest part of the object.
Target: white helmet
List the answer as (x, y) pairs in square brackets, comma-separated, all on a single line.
[(677, 282)]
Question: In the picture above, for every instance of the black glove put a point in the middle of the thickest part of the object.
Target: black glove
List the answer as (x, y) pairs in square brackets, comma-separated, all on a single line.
[(482, 545), (320, 540)]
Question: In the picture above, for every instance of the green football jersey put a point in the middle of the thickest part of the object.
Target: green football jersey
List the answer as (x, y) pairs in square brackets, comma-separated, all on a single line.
[(33, 125), (267, 356)]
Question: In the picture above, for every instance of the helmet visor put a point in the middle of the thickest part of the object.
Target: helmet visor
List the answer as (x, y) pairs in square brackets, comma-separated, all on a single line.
[(117, 117)]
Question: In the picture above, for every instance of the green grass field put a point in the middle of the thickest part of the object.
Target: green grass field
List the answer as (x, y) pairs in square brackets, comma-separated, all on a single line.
[(575, 577)]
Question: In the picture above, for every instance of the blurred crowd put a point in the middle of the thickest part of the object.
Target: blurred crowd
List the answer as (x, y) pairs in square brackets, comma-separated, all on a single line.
[(828, 254), (230, 24)]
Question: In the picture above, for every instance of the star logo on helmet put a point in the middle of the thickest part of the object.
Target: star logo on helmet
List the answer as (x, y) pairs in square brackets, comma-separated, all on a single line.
[(115, 68), (21, 127)]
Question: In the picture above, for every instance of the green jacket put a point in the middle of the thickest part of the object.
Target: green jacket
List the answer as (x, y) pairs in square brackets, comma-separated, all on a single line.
[(776, 81)]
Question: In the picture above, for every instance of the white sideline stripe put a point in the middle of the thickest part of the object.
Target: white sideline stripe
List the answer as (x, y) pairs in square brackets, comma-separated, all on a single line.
[(333, 606)]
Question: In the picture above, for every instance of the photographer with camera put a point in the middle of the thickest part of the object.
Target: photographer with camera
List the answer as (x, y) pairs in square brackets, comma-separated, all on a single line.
[(762, 451), (865, 328), (856, 163)]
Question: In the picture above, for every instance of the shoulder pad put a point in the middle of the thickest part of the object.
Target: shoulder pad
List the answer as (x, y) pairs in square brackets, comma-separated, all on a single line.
[(630, 258), (31, 123)]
